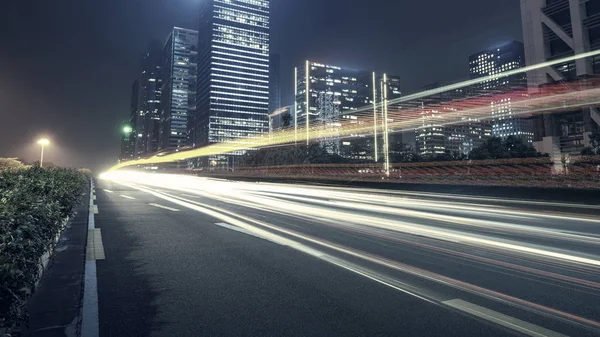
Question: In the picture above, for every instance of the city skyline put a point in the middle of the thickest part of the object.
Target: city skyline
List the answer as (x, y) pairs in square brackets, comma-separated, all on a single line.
[(116, 63)]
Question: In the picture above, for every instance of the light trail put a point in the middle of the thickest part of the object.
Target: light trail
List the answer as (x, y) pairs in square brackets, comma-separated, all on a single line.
[(555, 98), (264, 210)]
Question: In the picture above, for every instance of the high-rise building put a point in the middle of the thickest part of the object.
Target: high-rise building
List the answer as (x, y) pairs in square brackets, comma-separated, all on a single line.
[(432, 139), (554, 29), (233, 73), (150, 84), (178, 94), (328, 95), (274, 83), (493, 61), (145, 102)]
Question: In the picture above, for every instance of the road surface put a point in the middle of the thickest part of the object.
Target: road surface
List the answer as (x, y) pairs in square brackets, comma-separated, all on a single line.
[(188, 256)]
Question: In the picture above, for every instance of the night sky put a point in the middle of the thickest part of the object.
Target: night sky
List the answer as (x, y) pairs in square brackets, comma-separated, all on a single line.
[(66, 66)]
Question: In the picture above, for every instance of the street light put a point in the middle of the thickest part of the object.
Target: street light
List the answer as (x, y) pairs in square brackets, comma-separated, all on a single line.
[(43, 142)]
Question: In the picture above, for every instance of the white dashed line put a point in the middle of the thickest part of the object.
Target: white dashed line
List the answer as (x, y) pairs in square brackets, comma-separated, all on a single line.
[(109, 191), (190, 196), (238, 229), (127, 197), (165, 207), (501, 319), (95, 247)]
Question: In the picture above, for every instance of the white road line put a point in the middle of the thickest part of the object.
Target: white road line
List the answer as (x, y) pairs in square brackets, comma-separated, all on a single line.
[(127, 197), (95, 247), (94, 197), (109, 191), (251, 226), (502, 319), (241, 230), (95, 209), (190, 196), (164, 207), (90, 325)]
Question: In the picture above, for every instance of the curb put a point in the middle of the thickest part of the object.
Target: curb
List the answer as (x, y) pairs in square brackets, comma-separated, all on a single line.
[(55, 307)]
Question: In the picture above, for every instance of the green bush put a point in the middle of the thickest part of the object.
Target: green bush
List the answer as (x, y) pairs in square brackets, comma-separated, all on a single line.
[(33, 205), (10, 164)]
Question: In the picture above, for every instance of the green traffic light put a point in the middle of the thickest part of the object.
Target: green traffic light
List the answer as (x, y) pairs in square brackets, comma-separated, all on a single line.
[(127, 129)]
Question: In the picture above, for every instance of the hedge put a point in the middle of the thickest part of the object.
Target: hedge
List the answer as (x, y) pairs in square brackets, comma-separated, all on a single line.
[(34, 204)]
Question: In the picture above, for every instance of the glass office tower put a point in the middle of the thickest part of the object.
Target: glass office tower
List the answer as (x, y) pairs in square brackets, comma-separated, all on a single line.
[(505, 57), (233, 73), (178, 87)]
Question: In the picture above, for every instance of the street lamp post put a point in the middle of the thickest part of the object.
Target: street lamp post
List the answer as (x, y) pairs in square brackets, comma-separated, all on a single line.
[(43, 142)]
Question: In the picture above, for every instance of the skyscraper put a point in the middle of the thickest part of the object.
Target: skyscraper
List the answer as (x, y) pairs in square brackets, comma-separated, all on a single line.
[(328, 95), (178, 98), (150, 83), (233, 72), (145, 102), (434, 140), (274, 82), (505, 57), (554, 30)]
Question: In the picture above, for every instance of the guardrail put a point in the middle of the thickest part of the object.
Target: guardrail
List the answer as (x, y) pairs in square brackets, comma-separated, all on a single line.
[(578, 172)]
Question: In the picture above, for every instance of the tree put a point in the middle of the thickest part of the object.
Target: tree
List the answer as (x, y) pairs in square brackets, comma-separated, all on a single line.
[(10, 164), (286, 119), (403, 153), (588, 151), (594, 149), (497, 148)]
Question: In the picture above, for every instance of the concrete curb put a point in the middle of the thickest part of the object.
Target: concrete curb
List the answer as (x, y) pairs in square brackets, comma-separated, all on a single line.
[(55, 307)]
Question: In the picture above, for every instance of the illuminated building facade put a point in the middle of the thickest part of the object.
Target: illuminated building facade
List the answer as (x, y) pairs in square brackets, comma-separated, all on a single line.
[(328, 96), (178, 99), (434, 140), (145, 103), (150, 97), (233, 72), (505, 57), (554, 29)]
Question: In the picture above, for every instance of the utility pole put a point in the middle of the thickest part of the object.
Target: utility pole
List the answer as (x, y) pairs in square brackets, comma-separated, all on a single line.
[(386, 139), (375, 117), (296, 106), (307, 103)]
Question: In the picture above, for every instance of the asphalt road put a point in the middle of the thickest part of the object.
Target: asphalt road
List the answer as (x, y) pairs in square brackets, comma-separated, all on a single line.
[(190, 256)]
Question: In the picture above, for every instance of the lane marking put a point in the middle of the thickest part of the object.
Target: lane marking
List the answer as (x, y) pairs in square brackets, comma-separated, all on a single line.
[(241, 230), (190, 196), (95, 248), (127, 197), (220, 214), (90, 325), (95, 208), (109, 191), (164, 207), (502, 319)]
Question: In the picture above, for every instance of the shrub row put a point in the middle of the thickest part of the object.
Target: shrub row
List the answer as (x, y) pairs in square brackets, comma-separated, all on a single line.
[(34, 203)]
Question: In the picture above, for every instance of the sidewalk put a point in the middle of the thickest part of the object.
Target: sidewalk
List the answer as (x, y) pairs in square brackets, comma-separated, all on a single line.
[(54, 309)]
